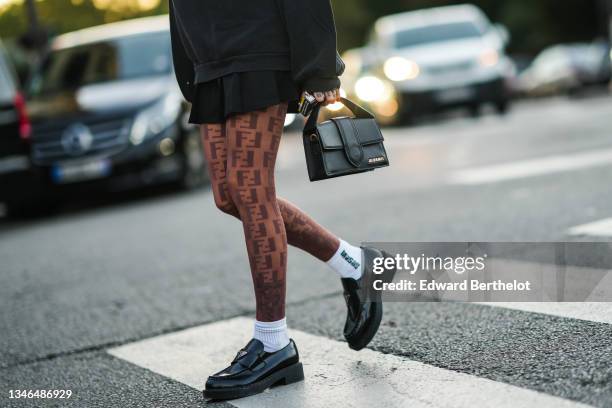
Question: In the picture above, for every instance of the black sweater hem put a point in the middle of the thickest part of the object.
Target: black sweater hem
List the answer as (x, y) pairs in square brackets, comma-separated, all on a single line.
[(243, 63)]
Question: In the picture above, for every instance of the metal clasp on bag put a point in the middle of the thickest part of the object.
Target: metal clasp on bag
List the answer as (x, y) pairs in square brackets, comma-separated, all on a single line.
[(314, 137)]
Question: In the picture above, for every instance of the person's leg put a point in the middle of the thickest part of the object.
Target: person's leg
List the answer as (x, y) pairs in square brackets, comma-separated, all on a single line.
[(244, 187), (241, 164), (215, 152), (252, 144), (302, 231)]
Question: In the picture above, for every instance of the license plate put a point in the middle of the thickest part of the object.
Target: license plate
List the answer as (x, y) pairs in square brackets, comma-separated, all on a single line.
[(455, 95), (80, 171)]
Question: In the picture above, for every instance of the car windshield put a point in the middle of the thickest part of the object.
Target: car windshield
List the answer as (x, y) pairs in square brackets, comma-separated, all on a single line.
[(436, 33), (129, 57)]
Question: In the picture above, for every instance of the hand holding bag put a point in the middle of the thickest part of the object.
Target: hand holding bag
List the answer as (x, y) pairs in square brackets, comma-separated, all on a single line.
[(344, 145)]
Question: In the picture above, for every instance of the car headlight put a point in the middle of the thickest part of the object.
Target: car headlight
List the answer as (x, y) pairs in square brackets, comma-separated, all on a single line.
[(372, 89), (401, 69), (155, 118), (489, 58)]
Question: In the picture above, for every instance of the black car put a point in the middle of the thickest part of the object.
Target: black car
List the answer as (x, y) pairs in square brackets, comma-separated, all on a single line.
[(107, 114), (14, 137)]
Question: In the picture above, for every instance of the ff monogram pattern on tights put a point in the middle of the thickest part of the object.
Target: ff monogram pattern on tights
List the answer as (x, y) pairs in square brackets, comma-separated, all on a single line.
[(241, 156)]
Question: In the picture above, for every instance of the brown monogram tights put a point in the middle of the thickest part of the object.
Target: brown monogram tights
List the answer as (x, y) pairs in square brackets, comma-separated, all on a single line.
[(241, 155)]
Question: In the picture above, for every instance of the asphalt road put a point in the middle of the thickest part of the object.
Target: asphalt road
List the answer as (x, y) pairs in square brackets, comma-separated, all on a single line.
[(99, 275)]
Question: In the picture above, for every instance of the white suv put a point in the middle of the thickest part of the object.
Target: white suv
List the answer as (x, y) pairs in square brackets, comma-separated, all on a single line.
[(424, 60)]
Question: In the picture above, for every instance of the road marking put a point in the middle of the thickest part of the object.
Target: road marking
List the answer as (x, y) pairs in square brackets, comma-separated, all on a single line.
[(335, 375), (530, 168), (601, 228), (599, 312)]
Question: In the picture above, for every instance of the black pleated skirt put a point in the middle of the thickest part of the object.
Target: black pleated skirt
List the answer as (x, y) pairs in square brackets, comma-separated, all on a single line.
[(242, 92)]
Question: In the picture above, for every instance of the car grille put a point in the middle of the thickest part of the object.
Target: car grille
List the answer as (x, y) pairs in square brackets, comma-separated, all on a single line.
[(108, 136), (456, 68)]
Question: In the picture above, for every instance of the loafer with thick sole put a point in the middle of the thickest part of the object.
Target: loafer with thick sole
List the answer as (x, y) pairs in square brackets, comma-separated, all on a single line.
[(364, 305), (253, 371)]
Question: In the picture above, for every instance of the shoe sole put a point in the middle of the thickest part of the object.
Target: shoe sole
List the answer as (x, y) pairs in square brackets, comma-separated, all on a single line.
[(368, 334), (287, 375)]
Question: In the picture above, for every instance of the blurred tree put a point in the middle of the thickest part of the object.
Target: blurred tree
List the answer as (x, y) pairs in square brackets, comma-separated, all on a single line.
[(60, 16), (533, 24)]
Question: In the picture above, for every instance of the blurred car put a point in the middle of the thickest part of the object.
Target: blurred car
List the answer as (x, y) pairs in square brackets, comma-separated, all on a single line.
[(14, 135), (418, 62), (606, 66), (599, 56), (106, 112), (567, 68)]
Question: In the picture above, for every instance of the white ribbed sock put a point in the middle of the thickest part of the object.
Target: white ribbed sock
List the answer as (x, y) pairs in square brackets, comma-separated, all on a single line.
[(273, 335), (347, 261)]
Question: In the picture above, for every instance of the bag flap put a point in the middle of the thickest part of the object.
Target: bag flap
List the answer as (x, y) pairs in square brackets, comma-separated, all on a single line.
[(353, 149), (329, 136), (367, 132)]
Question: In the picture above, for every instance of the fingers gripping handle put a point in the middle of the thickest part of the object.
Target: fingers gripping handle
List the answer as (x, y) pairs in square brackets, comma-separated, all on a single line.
[(357, 110)]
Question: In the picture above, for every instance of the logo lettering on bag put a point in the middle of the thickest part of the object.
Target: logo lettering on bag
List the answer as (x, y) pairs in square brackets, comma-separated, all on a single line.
[(379, 159)]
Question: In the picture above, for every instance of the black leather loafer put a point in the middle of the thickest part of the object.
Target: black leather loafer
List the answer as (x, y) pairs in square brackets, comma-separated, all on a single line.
[(365, 309), (253, 370)]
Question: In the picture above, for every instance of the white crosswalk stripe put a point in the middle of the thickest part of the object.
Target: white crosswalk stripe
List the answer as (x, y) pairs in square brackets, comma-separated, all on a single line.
[(601, 228), (530, 168), (335, 375)]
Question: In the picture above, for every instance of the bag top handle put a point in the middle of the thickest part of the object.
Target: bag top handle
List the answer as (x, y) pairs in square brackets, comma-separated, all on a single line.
[(357, 110)]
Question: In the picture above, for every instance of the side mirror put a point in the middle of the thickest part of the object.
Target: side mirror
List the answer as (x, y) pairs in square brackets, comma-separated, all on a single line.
[(502, 33)]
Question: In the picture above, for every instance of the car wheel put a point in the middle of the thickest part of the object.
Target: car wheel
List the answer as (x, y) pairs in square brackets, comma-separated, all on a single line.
[(502, 108), (475, 110), (193, 173)]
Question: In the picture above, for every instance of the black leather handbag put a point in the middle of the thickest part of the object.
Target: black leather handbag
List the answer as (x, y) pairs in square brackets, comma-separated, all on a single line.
[(344, 145)]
